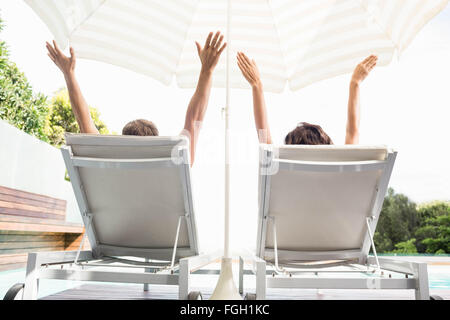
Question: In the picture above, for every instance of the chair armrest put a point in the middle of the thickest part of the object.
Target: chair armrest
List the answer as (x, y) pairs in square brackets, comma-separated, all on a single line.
[(396, 265), (59, 257), (195, 263), (254, 260)]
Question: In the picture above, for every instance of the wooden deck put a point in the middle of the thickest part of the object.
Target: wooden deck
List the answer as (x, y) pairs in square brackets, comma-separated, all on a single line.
[(32, 222), (135, 292)]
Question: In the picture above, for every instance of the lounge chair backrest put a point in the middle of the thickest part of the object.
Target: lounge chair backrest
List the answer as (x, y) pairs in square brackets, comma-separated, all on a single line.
[(319, 198), (135, 190)]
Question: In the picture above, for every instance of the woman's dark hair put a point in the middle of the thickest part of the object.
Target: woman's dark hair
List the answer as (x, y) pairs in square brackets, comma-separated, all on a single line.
[(307, 133), (140, 128)]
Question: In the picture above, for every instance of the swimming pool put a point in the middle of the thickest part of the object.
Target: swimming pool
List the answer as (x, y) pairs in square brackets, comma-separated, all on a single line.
[(439, 280)]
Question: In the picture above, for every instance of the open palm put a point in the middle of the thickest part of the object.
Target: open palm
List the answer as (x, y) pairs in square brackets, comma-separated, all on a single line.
[(363, 69), (66, 64), (210, 53), (249, 69)]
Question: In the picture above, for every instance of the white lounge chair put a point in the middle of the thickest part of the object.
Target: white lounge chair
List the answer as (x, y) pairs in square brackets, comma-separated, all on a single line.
[(318, 210), (135, 198)]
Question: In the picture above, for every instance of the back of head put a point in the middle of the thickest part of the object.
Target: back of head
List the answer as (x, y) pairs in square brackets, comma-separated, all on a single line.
[(140, 127), (307, 133)]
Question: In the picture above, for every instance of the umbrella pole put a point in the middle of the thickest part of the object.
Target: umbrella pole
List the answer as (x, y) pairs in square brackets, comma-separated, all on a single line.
[(227, 143), (226, 288)]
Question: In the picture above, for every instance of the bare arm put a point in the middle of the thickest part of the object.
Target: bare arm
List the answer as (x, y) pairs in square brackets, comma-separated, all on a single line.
[(79, 105), (250, 71), (354, 105), (209, 57)]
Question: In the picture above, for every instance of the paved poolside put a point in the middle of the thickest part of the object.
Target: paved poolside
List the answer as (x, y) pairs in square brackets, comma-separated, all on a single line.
[(135, 292), (438, 269)]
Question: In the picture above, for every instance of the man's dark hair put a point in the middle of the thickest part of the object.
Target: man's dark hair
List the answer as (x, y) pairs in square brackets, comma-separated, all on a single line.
[(140, 128), (307, 133)]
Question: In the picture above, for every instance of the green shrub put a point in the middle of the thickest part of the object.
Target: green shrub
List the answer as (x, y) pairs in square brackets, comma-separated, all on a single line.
[(19, 106), (61, 119), (406, 247), (31, 112)]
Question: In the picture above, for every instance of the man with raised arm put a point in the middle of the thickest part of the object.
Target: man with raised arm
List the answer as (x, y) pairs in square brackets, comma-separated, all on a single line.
[(305, 133), (209, 56)]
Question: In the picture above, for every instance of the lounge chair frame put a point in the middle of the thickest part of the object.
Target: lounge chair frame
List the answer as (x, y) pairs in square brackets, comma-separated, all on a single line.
[(281, 268), (163, 266)]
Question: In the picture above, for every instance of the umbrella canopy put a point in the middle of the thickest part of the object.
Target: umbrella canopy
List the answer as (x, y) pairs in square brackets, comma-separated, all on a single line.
[(294, 41)]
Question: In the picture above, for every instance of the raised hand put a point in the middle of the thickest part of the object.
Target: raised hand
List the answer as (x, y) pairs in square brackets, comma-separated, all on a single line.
[(79, 105), (363, 69), (249, 69), (64, 63), (251, 74), (210, 53)]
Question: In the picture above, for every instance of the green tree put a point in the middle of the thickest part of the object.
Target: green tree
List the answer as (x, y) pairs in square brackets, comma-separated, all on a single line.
[(19, 105), (433, 233), (406, 247), (404, 227), (433, 209), (397, 223), (382, 242), (61, 119)]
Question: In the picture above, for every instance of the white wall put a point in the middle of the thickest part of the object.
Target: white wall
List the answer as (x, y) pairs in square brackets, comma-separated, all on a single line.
[(28, 164)]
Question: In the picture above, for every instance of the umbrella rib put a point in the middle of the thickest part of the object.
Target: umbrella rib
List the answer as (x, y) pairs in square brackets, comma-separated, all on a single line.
[(279, 43), (383, 30), (186, 37), (86, 18)]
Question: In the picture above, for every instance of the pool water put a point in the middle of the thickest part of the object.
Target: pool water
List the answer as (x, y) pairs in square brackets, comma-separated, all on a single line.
[(439, 281)]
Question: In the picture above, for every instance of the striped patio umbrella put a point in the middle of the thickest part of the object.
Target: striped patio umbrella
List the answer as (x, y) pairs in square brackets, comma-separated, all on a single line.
[(294, 41)]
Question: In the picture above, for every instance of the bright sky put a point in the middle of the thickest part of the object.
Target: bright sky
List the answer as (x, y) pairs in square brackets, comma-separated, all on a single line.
[(405, 106)]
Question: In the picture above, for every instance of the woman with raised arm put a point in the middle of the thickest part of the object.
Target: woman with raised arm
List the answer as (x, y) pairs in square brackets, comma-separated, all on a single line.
[(209, 57), (305, 133)]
